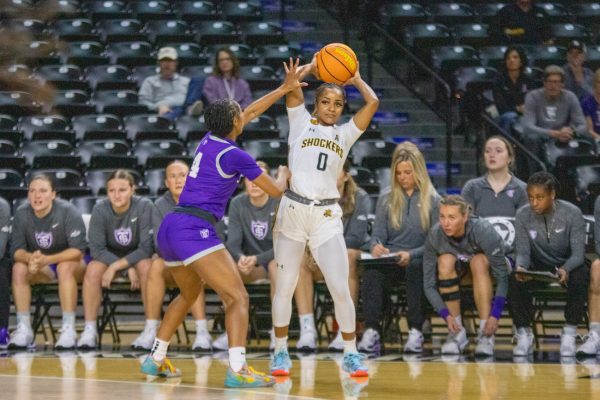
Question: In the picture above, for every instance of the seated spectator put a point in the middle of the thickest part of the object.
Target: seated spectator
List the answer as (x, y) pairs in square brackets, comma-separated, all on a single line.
[(404, 215), (511, 86), (160, 277), (550, 236), (225, 82), (48, 242), (498, 193), (591, 109), (162, 92), (193, 103), (591, 346), (459, 244), (578, 79), (521, 22), (5, 269), (551, 112), (120, 236)]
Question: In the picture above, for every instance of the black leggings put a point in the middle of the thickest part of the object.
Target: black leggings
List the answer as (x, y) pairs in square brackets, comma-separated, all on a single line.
[(5, 281), (520, 298), (375, 291)]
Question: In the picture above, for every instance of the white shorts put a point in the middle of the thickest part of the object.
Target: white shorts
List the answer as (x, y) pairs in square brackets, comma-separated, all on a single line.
[(301, 222)]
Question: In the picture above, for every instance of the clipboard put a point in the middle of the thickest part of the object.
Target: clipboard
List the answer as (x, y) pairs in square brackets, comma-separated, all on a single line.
[(542, 276)]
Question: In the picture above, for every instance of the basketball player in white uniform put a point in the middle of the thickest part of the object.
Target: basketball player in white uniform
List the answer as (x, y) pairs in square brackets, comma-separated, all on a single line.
[(309, 211)]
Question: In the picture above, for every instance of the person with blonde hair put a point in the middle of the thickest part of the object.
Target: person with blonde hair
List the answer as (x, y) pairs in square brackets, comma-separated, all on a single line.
[(403, 216), (458, 244)]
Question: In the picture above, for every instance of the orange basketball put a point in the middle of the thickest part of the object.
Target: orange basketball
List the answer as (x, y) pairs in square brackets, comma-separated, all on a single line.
[(336, 63)]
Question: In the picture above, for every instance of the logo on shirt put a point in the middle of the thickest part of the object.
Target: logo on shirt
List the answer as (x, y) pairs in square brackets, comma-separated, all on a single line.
[(43, 239), (204, 233), (74, 234), (337, 138), (123, 236), (551, 112), (259, 229), (533, 234), (327, 213), (510, 193), (54, 225), (559, 230), (504, 227)]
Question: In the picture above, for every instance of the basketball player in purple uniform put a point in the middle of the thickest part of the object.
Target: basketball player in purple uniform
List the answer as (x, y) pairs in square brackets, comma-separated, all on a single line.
[(187, 240)]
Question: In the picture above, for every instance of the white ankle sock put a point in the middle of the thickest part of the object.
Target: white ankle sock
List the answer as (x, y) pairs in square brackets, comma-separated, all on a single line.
[(237, 358), (350, 346), (482, 324), (90, 325), (280, 343), (201, 325), (307, 322), (24, 318), (152, 324), (570, 330), (159, 350), (458, 319), (68, 318)]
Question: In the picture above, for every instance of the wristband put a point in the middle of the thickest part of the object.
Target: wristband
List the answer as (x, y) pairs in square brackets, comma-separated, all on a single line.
[(497, 306)]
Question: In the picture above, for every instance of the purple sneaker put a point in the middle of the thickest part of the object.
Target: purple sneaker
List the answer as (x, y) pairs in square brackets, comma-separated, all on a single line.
[(4, 337)]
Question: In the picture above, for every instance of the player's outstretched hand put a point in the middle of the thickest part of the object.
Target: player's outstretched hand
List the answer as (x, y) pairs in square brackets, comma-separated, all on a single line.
[(293, 75)]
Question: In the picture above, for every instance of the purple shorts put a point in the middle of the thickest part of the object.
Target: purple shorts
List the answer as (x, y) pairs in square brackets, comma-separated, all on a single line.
[(183, 239)]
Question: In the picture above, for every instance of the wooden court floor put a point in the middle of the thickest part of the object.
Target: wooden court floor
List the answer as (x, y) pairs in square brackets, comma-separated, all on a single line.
[(111, 375)]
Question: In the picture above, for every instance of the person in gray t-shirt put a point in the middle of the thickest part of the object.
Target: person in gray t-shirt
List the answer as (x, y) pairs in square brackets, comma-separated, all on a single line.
[(550, 236), (498, 194), (48, 242), (120, 236), (5, 270), (403, 217), (459, 244), (160, 277), (552, 113)]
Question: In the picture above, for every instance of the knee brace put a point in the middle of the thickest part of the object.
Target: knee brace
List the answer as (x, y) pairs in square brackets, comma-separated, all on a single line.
[(449, 283)]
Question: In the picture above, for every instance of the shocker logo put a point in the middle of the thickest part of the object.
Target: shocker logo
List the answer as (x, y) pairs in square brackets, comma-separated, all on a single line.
[(327, 213), (279, 266)]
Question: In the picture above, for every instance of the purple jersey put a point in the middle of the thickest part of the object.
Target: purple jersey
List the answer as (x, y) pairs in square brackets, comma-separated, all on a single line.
[(215, 173)]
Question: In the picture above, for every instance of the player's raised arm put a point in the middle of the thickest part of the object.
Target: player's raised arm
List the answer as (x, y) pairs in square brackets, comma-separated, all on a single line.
[(363, 116), (296, 97)]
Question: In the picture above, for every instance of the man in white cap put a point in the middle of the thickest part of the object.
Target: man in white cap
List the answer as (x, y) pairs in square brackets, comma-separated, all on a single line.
[(167, 89), (578, 79)]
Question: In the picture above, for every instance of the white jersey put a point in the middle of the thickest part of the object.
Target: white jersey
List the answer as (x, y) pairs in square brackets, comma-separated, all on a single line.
[(317, 153)]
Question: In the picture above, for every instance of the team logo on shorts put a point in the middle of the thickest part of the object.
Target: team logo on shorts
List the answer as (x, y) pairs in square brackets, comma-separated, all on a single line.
[(328, 213), (44, 239), (510, 193), (463, 257), (533, 234), (204, 233), (259, 229), (123, 236)]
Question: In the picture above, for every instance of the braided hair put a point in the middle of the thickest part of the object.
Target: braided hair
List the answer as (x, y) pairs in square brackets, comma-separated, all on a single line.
[(545, 180), (219, 116)]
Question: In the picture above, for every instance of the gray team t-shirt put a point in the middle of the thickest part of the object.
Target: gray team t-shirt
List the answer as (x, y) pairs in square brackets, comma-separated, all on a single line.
[(128, 235), (552, 240), (61, 229), (486, 203), (249, 230)]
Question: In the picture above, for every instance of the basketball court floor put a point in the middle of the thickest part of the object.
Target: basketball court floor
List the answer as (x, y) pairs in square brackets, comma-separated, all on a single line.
[(115, 375)]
